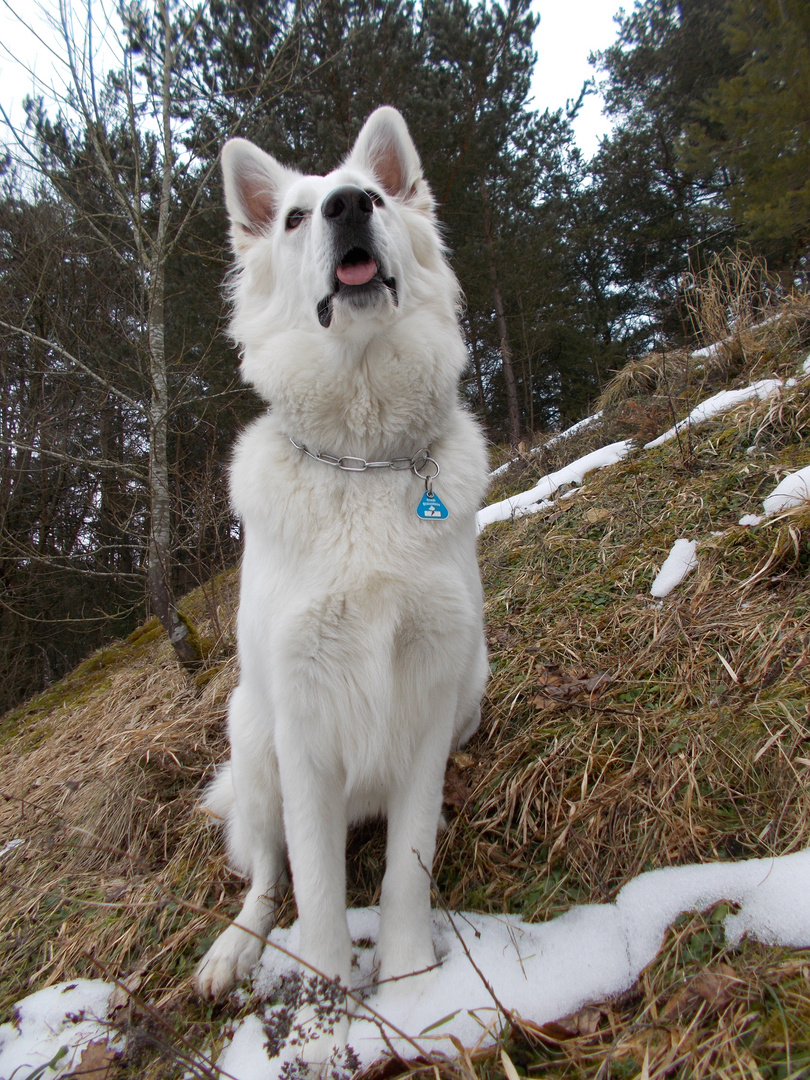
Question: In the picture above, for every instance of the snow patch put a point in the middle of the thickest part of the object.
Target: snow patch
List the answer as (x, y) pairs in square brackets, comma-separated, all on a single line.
[(718, 403), (573, 430), (542, 970), (790, 493), (716, 346), (681, 560), (69, 1015), (529, 501)]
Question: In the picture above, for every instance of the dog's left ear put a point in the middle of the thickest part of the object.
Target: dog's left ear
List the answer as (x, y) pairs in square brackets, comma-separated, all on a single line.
[(384, 147)]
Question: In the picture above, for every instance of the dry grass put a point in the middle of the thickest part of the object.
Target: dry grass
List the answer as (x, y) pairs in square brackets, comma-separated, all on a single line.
[(619, 735), (734, 294), (102, 789), (628, 735)]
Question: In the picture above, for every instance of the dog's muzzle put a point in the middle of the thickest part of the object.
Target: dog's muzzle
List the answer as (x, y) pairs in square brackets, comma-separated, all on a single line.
[(348, 212)]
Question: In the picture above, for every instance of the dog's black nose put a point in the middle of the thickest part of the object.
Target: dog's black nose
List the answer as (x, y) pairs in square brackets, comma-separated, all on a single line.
[(348, 204)]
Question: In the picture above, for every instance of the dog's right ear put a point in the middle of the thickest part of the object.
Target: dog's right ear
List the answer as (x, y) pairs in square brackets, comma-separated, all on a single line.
[(253, 185)]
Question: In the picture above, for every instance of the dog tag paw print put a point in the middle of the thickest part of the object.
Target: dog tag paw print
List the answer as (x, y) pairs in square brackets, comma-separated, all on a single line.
[(431, 507)]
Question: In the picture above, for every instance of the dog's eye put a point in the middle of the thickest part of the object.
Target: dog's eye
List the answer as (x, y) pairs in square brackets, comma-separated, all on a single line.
[(376, 198), (294, 219)]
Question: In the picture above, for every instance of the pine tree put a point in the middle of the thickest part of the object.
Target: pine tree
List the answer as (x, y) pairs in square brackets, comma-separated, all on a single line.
[(753, 138), (72, 469), (652, 213)]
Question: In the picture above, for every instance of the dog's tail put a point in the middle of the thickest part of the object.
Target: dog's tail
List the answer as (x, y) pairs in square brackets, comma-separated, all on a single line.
[(219, 798), (219, 802)]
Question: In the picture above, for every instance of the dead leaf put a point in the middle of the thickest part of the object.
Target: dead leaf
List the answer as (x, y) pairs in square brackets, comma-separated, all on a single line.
[(712, 987), (560, 685), (387, 1067), (715, 986), (553, 675), (680, 1002), (550, 1032), (588, 1020), (585, 1022), (457, 788), (96, 1063), (597, 514), (121, 995)]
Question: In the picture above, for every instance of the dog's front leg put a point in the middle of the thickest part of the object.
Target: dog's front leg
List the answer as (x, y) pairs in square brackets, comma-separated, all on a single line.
[(405, 943), (237, 950), (315, 823), (248, 793)]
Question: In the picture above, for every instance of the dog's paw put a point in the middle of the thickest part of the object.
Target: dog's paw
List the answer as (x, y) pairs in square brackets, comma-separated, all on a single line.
[(320, 1043), (397, 958), (230, 959)]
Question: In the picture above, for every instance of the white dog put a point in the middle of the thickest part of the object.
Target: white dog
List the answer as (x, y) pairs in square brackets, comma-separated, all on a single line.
[(360, 624)]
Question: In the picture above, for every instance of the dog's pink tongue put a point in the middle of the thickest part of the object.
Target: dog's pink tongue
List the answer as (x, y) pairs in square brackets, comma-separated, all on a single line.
[(357, 273)]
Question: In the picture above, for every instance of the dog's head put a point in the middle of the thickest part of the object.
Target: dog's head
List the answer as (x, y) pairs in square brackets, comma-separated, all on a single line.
[(350, 248)]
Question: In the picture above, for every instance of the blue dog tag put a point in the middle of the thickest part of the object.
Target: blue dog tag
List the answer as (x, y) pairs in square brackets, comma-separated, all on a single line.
[(431, 507)]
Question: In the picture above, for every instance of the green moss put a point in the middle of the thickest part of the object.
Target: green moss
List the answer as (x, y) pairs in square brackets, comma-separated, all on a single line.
[(35, 714), (202, 678), (193, 639), (150, 631)]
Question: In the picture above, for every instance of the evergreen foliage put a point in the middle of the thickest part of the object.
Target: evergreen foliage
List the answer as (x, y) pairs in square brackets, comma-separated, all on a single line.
[(652, 212), (753, 134)]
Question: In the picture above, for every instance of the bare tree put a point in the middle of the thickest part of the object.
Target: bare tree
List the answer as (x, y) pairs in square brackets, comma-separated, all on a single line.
[(72, 455), (120, 149)]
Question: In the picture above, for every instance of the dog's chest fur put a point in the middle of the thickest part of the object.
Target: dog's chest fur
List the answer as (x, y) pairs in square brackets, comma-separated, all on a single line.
[(349, 599)]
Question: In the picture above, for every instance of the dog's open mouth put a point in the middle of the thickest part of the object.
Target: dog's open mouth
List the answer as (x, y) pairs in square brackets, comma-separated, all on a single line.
[(357, 268), (357, 277)]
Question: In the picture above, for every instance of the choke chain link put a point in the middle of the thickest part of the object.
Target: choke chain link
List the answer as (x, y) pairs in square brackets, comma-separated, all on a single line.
[(416, 464)]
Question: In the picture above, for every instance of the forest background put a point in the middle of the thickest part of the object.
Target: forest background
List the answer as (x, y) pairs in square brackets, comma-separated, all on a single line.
[(120, 396)]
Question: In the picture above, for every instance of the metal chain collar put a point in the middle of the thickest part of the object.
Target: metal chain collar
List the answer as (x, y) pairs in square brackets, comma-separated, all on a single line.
[(416, 464)]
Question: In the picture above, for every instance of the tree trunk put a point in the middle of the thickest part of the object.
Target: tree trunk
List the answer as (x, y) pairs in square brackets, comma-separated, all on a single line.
[(479, 381), (158, 575), (512, 403), (158, 578)]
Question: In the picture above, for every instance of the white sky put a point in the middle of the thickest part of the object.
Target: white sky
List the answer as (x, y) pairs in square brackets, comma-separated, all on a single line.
[(569, 31), (29, 55)]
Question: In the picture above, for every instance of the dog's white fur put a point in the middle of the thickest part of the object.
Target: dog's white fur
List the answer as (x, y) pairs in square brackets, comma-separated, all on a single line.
[(360, 625)]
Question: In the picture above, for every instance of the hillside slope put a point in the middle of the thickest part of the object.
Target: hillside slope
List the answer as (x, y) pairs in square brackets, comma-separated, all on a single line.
[(621, 733)]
